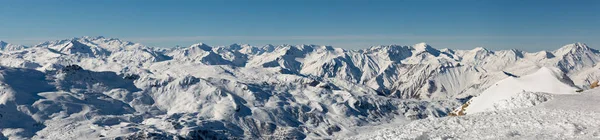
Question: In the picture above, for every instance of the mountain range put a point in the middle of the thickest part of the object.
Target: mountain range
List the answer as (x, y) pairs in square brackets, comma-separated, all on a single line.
[(98, 87)]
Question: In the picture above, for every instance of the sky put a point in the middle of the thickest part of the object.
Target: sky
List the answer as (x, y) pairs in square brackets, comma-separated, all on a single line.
[(351, 24)]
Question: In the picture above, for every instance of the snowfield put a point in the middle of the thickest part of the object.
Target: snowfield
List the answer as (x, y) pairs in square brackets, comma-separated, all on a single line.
[(541, 105), (106, 88), (566, 116), (545, 80)]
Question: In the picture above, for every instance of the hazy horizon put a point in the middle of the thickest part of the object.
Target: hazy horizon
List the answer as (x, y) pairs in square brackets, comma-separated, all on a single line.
[(259, 45), (355, 24)]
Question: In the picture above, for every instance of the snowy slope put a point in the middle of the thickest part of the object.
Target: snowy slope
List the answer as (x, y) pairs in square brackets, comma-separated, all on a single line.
[(565, 116), (544, 80), (4, 46), (98, 87), (541, 105)]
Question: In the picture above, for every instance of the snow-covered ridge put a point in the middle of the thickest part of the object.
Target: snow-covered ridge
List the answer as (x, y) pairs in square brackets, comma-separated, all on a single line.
[(379, 67), (372, 66), (4, 46), (566, 116), (243, 91), (526, 115), (545, 80)]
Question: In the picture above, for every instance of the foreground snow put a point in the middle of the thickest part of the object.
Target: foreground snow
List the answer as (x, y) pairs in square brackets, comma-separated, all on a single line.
[(541, 105), (573, 116), (546, 80)]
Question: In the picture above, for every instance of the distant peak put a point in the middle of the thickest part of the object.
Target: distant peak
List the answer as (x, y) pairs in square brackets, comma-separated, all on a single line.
[(75, 42), (574, 47), (326, 47), (480, 49), (93, 37), (546, 54), (580, 44), (202, 46), (446, 50), (3, 44), (268, 47), (198, 44), (422, 45), (245, 45), (235, 46)]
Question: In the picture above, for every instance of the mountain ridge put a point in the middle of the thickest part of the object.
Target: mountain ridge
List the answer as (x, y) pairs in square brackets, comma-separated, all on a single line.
[(244, 91)]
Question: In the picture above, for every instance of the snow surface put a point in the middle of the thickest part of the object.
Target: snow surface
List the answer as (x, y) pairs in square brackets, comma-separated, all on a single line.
[(565, 116), (97, 87), (4, 46), (544, 80)]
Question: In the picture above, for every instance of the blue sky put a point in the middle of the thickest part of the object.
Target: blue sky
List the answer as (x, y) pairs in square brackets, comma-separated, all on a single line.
[(461, 24)]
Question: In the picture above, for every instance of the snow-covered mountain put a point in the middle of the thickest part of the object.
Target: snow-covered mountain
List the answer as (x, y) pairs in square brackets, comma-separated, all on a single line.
[(541, 105), (560, 117), (505, 93), (94, 87), (4, 46)]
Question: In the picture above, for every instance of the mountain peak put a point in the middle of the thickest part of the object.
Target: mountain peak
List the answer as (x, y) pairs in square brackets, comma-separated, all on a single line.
[(480, 49), (235, 46), (75, 44), (5, 46), (573, 48), (202, 46), (546, 54), (421, 45), (424, 47), (93, 37)]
